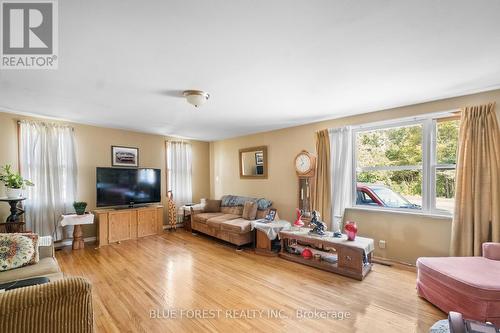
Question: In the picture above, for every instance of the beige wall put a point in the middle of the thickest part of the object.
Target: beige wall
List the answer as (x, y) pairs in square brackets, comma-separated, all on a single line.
[(407, 236), (215, 172), (93, 149)]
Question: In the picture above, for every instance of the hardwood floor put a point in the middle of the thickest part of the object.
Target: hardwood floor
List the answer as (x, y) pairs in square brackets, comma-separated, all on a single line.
[(182, 273)]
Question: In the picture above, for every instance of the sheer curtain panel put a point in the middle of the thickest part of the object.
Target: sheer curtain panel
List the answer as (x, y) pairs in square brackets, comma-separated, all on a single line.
[(342, 173), (179, 163), (48, 159)]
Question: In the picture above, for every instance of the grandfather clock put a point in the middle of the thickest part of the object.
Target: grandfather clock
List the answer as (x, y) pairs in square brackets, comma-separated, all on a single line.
[(305, 166)]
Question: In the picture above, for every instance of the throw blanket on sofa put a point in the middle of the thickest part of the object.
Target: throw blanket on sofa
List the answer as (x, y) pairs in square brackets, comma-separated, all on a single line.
[(236, 200)]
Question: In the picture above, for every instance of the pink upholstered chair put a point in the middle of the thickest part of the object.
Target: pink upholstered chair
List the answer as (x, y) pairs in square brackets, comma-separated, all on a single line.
[(469, 285)]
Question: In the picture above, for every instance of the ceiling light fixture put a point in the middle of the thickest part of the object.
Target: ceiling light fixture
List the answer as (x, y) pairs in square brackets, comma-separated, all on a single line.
[(196, 97)]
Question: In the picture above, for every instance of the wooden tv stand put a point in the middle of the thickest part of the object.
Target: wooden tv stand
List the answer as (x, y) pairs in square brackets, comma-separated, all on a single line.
[(116, 225)]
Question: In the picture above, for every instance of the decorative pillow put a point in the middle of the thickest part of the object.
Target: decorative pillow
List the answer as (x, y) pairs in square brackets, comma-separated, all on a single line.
[(18, 250), (249, 210), (35, 239), (212, 206)]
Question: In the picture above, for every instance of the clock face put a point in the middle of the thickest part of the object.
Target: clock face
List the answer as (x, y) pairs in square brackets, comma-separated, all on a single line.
[(303, 163)]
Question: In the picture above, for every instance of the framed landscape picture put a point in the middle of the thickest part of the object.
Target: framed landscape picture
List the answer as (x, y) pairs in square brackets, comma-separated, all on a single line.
[(124, 156)]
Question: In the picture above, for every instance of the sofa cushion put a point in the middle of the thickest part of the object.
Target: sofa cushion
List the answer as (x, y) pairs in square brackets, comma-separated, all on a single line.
[(18, 250), (45, 251), (215, 222), (45, 267), (249, 210), (203, 217), (211, 206), (239, 225), (236, 210)]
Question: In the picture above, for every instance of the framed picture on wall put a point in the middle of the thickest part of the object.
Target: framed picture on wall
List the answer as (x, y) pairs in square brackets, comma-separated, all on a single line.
[(124, 156)]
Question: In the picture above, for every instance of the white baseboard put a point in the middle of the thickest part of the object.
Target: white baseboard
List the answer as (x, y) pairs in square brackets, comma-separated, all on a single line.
[(69, 242)]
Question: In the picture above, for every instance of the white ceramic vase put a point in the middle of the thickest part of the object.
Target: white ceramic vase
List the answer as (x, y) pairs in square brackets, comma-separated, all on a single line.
[(13, 193)]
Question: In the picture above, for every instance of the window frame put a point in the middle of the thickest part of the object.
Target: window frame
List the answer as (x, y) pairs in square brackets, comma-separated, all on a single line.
[(429, 161)]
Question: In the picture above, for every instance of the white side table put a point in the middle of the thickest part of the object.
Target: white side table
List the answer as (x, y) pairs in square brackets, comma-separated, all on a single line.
[(77, 221), (266, 233)]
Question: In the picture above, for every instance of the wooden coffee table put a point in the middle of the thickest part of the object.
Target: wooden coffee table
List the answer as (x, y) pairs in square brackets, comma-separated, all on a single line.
[(353, 258)]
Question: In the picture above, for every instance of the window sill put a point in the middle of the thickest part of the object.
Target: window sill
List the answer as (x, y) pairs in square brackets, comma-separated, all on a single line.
[(396, 211)]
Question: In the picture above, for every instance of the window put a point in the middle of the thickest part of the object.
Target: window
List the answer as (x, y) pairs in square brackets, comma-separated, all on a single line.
[(179, 170), (47, 158), (446, 159), (407, 165)]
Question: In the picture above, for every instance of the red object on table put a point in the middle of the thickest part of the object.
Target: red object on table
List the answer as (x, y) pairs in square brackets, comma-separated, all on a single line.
[(307, 254), (351, 230), (298, 222)]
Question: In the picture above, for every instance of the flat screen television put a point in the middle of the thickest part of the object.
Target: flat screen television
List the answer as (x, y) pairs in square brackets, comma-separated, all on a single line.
[(127, 187)]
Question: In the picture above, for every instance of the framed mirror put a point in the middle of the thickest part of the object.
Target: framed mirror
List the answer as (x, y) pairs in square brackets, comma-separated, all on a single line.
[(253, 163)]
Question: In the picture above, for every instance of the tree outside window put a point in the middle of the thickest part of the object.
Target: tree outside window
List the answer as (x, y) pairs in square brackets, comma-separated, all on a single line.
[(410, 165)]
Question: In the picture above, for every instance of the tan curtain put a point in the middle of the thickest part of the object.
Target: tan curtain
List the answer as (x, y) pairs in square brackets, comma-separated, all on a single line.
[(477, 199), (322, 197)]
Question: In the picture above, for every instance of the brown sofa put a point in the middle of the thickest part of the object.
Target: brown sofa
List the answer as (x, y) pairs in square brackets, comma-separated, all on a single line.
[(227, 223), (62, 305)]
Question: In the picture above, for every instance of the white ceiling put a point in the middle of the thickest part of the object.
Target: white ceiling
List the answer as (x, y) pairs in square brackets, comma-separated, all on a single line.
[(267, 64)]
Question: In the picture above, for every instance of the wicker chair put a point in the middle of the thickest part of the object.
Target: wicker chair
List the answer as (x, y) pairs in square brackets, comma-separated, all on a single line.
[(61, 306)]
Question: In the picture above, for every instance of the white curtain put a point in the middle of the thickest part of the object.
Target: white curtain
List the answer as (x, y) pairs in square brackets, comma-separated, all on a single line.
[(342, 173), (48, 159), (179, 165)]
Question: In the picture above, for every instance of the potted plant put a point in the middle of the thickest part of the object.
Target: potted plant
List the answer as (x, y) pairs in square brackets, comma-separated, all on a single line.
[(80, 207), (14, 183)]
